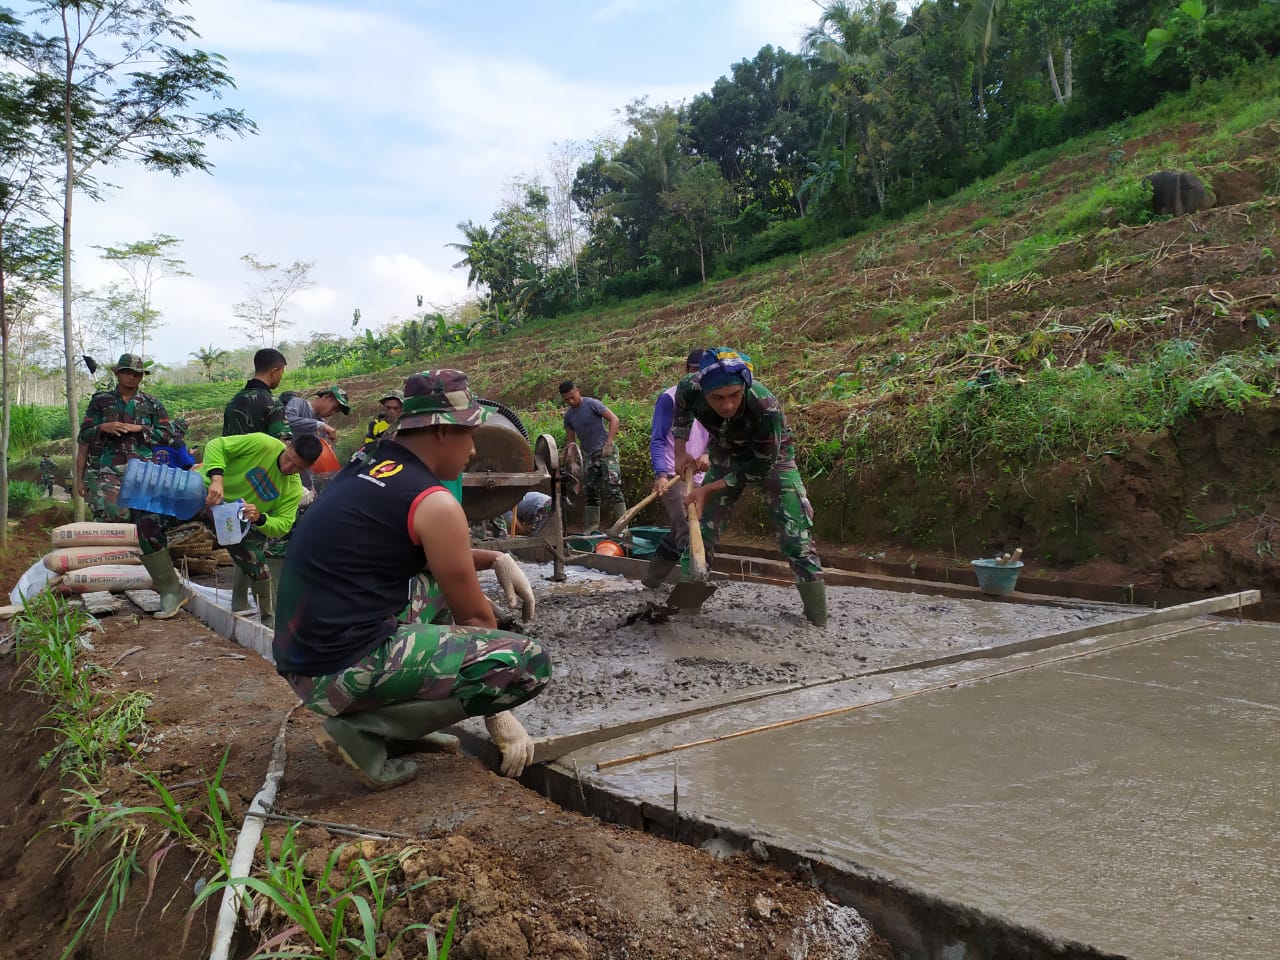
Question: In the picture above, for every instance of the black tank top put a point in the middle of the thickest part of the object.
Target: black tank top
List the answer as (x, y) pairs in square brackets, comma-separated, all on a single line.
[(349, 562)]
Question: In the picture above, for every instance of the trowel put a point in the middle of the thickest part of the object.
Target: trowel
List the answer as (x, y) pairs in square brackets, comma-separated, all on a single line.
[(691, 594)]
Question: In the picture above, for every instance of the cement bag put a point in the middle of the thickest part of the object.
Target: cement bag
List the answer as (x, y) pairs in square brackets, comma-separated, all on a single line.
[(31, 582), (77, 558), (95, 535), (112, 576)]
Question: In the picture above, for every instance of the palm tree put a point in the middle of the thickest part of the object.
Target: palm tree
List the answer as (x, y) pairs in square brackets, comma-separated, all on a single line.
[(979, 32), (850, 55), (208, 357)]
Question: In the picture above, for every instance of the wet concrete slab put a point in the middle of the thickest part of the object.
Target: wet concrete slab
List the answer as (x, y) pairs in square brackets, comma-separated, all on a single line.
[(610, 667), (1121, 793)]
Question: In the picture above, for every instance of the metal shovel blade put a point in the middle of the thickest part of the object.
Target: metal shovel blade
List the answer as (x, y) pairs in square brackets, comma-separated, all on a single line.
[(690, 595)]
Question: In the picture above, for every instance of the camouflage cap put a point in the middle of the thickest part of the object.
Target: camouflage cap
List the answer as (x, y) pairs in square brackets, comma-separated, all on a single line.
[(440, 397), (130, 361), (391, 395), (335, 391)]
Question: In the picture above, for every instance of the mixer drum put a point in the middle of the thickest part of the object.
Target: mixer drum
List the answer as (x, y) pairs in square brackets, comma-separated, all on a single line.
[(501, 447)]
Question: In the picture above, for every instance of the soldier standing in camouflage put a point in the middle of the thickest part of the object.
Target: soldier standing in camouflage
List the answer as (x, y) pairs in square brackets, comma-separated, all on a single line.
[(749, 443), (387, 682), (254, 409), (46, 475), (120, 425)]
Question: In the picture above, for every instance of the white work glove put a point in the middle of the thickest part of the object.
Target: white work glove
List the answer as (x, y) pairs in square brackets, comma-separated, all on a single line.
[(509, 736), (515, 585), (308, 497)]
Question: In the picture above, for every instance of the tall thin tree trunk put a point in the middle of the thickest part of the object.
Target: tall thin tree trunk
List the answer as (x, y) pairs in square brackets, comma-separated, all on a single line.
[(5, 405), (1066, 67), (68, 335), (1053, 78)]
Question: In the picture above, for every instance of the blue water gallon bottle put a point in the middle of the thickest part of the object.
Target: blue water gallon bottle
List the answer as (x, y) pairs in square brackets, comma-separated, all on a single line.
[(154, 488)]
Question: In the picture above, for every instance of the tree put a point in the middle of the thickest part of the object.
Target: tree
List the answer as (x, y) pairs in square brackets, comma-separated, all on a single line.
[(28, 263), (263, 310), (26, 150), (119, 87), (146, 263), (700, 202), (208, 357)]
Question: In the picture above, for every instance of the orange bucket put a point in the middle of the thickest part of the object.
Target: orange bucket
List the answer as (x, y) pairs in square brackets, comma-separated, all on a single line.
[(328, 460), (610, 549)]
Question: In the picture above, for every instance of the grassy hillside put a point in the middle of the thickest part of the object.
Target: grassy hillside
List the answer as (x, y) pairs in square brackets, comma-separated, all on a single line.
[(984, 369)]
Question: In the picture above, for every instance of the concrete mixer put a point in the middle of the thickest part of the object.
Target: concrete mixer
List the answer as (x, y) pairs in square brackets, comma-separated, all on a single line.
[(504, 468)]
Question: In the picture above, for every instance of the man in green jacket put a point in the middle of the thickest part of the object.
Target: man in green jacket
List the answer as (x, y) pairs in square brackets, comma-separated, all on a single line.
[(261, 471)]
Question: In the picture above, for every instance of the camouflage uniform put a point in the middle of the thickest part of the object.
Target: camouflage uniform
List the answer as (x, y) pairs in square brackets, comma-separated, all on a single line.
[(603, 472), (255, 410), (487, 670), (46, 475), (753, 446), (109, 455)]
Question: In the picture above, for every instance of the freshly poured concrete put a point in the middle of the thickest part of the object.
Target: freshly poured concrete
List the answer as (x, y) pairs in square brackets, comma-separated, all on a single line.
[(746, 636), (1125, 798)]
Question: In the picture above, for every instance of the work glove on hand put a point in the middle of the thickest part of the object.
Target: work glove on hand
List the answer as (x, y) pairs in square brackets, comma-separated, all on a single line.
[(608, 449), (514, 585), (509, 736), (308, 497)]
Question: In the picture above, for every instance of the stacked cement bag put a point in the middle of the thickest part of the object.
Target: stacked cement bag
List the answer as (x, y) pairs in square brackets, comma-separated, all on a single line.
[(97, 556)]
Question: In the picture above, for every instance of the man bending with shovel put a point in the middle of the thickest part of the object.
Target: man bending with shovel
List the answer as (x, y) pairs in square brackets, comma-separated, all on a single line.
[(750, 442), (385, 681)]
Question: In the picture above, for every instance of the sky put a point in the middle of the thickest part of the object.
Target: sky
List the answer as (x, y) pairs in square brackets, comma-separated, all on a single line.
[(383, 124)]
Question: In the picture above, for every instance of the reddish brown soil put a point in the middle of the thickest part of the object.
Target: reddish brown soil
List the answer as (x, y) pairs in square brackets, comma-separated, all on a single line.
[(531, 879)]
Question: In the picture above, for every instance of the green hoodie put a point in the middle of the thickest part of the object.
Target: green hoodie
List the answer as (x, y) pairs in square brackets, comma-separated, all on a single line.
[(251, 472)]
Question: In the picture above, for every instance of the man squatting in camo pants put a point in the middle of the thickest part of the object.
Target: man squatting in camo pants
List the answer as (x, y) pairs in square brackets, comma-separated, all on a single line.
[(346, 638)]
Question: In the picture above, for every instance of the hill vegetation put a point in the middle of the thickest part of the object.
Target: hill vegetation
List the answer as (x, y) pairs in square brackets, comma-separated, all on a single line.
[(1038, 359)]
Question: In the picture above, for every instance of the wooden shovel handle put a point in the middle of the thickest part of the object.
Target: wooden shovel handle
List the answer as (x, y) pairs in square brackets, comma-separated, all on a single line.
[(697, 553), (621, 522)]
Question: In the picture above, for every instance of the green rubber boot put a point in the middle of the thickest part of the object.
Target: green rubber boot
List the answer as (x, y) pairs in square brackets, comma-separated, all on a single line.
[(276, 567), (813, 594), (655, 575), (166, 583), (412, 726), (619, 508), (363, 741), (239, 590), (590, 519), (265, 597)]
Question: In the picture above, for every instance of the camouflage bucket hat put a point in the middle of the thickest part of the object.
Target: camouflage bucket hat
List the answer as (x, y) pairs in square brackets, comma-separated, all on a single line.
[(338, 394), (130, 361), (391, 395), (440, 397)]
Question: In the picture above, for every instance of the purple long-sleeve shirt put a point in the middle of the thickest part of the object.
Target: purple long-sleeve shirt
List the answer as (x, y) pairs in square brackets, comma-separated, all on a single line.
[(662, 445)]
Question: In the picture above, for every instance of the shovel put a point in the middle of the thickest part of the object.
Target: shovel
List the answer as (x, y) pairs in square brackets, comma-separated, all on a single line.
[(692, 593), (621, 523)]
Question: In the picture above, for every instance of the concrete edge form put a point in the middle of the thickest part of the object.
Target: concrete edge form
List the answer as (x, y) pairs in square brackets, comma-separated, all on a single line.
[(247, 633)]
